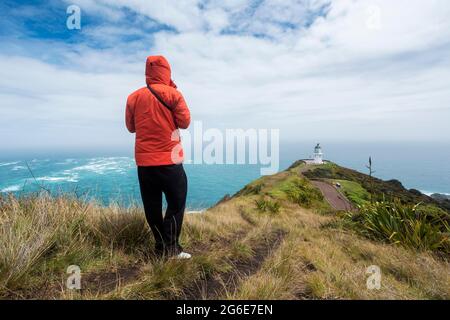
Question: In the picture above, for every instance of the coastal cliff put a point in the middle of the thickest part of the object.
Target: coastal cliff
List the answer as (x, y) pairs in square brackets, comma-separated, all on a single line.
[(309, 232)]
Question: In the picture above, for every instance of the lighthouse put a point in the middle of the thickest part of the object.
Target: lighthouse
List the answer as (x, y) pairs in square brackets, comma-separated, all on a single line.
[(318, 155)]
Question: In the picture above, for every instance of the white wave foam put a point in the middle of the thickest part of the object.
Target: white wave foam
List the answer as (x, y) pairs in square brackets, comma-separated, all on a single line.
[(109, 158), (4, 164), (11, 188), (16, 168), (428, 193), (104, 165), (67, 161), (58, 179), (51, 179)]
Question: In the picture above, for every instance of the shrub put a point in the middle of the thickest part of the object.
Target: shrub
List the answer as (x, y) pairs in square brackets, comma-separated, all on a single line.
[(354, 192), (251, 189), (419, 227), (302, 193), (267, 205), (380, 190)]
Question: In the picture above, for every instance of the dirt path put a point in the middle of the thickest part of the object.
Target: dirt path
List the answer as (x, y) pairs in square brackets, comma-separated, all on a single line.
[(100, 283), (334, 197), (214, 287)]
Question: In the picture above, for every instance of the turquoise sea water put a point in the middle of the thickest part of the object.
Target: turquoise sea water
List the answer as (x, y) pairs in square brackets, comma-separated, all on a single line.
[(112, 177)]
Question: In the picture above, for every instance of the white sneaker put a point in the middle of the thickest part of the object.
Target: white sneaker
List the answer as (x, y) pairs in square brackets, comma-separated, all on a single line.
[(183, 255)]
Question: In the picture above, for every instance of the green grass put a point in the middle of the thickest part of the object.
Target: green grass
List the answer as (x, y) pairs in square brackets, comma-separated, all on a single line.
[(233, 246), (299, 191), (267, 205), (41, 236), (251, 189), (354, 192), (380, 189), (421, 228)]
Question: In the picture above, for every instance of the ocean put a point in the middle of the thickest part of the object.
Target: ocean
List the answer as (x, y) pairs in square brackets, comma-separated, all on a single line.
[(110, 177)]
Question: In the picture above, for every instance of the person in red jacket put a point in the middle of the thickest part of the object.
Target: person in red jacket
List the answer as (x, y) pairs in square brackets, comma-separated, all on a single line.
[(156, 113)]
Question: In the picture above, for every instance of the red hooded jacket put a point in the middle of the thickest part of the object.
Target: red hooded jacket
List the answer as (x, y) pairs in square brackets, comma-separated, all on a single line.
[(156, 127)]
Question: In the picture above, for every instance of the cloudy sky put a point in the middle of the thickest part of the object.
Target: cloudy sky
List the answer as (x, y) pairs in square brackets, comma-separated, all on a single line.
[(341, 70)]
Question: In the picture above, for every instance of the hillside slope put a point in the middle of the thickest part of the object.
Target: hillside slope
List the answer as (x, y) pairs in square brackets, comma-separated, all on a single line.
[(380, 189), (277, 238)]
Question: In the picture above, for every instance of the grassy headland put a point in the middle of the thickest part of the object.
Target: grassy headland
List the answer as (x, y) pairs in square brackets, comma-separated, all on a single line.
[(275, 239)]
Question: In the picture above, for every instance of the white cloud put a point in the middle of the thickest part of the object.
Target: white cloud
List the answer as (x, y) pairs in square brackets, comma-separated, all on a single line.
[(335, 77)]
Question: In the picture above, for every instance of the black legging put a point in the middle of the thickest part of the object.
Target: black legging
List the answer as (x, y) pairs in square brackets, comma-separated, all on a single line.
[(172, 181)]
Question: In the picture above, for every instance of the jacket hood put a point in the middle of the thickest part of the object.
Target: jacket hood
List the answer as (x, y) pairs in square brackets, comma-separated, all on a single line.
[(157, 71)]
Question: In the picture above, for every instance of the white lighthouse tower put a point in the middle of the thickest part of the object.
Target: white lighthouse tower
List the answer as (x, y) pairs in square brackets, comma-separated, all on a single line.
[(318, 155)]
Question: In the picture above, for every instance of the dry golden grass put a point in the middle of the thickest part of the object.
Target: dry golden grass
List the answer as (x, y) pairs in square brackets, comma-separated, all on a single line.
[(239, 253)]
